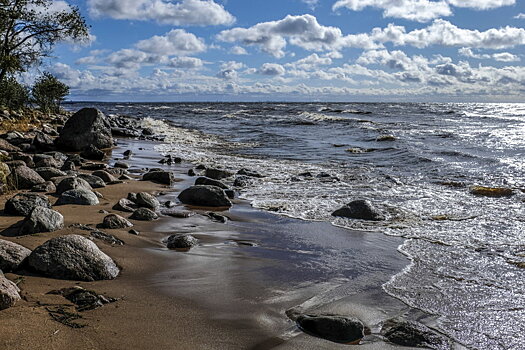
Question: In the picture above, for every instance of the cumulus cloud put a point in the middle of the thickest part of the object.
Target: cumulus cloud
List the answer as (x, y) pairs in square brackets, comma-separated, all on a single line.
[(185, 62), (133, 59), (175, 42), (419, 10), (520, 16), (506, 57), (238, 50), (500, 56), (182, 13), (271, 69), (310, 62)]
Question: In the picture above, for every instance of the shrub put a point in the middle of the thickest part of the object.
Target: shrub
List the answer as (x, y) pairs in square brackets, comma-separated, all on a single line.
[(48, 92), (13, 95)]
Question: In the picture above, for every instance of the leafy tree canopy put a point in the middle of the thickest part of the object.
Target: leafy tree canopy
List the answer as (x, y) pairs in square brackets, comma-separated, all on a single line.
[(48, 92)]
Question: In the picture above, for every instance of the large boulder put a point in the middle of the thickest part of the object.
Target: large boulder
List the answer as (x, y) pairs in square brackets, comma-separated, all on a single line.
[(161, 177), (72, 183), (12, 255), (146, 200), (23, 204), (72, 257), (114, 221), (79, 197), (205, 196), (210, 182), (42, 142), (8, 293), (86, 127), (413, 334), (359, 209), (338, 329), (42, 220), (23, 177)]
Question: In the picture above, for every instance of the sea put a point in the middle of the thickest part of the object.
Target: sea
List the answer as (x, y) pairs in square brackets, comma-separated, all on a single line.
[(416, 162)]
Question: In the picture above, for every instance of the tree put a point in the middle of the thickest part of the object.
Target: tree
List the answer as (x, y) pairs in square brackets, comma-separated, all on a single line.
[(48, 92), (30, 28), (13, 95)]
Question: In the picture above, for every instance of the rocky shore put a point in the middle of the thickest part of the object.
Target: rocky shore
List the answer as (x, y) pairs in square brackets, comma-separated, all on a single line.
[(78, 219)]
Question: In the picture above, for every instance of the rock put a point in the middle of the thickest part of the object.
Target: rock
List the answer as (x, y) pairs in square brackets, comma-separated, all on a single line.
[(359, 209), (73, 183), (230, 193), (126, 205), (211, 182), (23, 204), (338, 329), (169, 204), (495, 192), (92, 180), (23, 157), (116, 171), (83, 299), (106, 237), (114, 221), (124, 132), (132, 197), (148, 131), (105, 176), (180, 214), (383, 138), (43, 142), (413, 334), (181, 241), (75, 159), (134, 232), (86, 127), (92, 153), (79, 197), (48, 162), (12, 255), (217, 174), (191, 172), (207, 196), (201, 167), (46, 187), (42, 220), (15, 163), (8, 293), (242, 181), (72, 257), (23, 177), (122, 165), (127, 154), (161, 177), (8, 147), (125, 177), (146, 200), (250, 173), (93, 166), (68, 166), (48, 173), (144, 214), (217, 217)]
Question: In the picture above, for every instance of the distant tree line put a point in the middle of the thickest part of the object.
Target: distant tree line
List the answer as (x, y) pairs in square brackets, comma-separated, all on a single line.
[(29, 29)]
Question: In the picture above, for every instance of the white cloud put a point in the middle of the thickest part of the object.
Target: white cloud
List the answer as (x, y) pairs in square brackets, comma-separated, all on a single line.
[(175, 42), (233, 65), (501, 56), (506, 57), (520, 16), (182, 13), (238, 50), (481, 4), (272, 69), (133, 59), (185, 62), (310, 62)]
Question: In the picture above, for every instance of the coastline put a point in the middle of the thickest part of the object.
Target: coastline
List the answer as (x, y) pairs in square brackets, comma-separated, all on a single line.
[(171, 300)]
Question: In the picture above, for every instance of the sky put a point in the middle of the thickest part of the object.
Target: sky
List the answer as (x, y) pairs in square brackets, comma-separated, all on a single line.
[(296, 50)]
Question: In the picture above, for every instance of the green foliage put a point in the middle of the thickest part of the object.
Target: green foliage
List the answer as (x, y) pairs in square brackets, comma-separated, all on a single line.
[(30, 28), (13, 95), (48, 92)]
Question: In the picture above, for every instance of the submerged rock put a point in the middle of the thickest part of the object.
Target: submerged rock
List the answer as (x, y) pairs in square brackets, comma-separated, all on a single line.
[(250, 173), (206, 196), (217, 174), (414, 334), (491, 191), (72, 257), (12, 255), (86, 127), (181, 241), (359, 209), (8, 293), (42, 220), (23, 204), (338, 329)]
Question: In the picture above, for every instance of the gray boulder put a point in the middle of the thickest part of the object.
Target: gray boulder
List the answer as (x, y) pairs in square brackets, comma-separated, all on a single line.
[(146, 200), (46, 187), (42, 220), (105, 176), (72, 257), (88, 126), (413, 334), (8, 147), (92, 153), (8, 293), (78, 196), (359, 209), (12, 255), (92, 180), (242, 181), (42, 142), (23, 204), (144, 214), (181, 241), (25, 178), (205, 196), (114, 221), (161, 177), (48, 173), (250, 173), (338, 329), (217, 174), (211, 182), (121, 164), (72, 183), (126, 205)]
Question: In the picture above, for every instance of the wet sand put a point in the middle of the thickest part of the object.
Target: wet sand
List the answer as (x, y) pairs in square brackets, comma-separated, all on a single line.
[(233, 291)]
